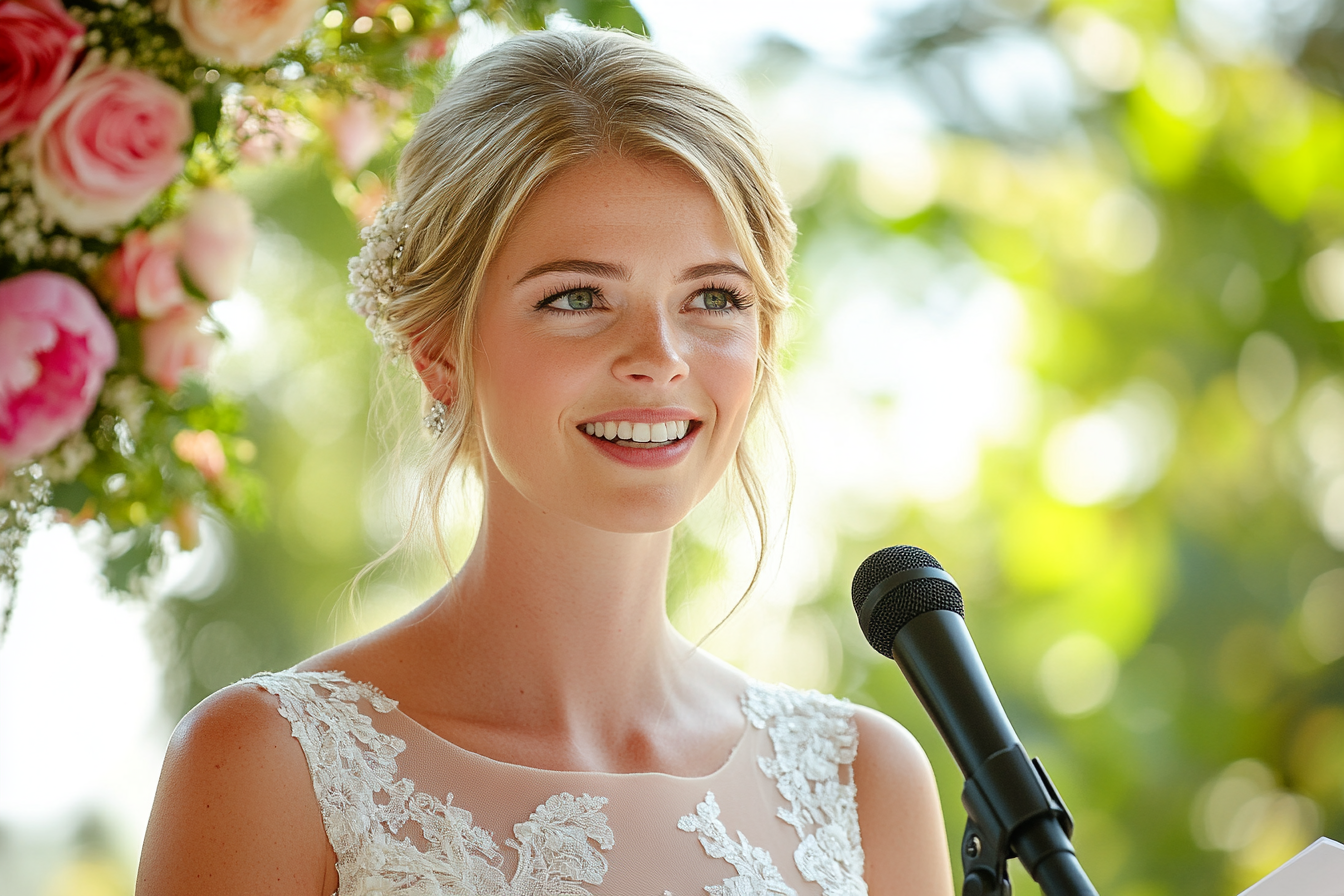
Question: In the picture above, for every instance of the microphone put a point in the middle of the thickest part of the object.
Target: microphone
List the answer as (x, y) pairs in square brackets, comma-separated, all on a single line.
[(911, 610)]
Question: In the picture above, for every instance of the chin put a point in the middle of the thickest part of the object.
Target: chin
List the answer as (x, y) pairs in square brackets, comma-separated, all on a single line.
[(637, 513)]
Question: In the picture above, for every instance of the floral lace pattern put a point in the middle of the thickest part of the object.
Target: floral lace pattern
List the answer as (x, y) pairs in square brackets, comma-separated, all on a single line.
[(371, 811), (353, 764), (756, 872), (814, 735)]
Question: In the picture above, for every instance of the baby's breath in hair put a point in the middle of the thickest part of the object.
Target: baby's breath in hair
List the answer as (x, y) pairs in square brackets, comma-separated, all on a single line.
[(373, 273)]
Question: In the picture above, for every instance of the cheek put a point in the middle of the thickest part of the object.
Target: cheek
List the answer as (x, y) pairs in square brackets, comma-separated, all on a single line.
[(523, 388), (729, 367)]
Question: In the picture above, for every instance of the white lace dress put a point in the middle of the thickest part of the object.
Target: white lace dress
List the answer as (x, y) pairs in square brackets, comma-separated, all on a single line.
[(412, 814)]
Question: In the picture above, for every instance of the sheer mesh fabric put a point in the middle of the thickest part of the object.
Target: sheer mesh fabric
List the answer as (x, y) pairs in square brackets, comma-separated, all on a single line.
[(412, 814)]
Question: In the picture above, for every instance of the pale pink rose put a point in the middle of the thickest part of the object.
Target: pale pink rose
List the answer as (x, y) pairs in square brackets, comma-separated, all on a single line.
[(239, 32), (174, 345), (357, 132), (217, 238), (38, 45), (108, 143), (140, 277), (55, 347)]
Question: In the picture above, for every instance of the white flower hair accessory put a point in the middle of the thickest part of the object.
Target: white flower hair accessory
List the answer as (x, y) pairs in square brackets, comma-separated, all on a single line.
[(373, 273)]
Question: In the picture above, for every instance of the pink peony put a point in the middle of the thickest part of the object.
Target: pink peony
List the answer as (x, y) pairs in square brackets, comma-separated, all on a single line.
[(108, 143), (217, 237), (55, 347), (140, 278), (38, 45), (239, 32), (175, 344)]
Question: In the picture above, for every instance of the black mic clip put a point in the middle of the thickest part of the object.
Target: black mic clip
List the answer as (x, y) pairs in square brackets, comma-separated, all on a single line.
[(1038, 824)]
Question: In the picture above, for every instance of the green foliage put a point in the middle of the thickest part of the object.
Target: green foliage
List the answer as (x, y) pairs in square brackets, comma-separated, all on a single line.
[(1205, 759), (606, 14)]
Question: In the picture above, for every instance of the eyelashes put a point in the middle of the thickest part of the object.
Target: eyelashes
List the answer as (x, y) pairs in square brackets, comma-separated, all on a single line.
[(590, 295), (589, 299)]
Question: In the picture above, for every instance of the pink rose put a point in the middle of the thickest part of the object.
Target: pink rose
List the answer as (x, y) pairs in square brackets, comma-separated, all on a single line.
[(108, 143), (38, 45), (217, 237), (140, 278), (239, 32), (55, 347), (175, 344)]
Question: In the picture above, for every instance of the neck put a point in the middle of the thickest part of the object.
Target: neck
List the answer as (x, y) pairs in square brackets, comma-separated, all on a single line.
[(567, 623)]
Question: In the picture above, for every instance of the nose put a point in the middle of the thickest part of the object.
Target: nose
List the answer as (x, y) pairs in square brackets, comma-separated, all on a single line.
[(651, 353)]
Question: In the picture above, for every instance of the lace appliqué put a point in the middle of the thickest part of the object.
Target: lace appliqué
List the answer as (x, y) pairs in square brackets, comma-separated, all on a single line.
[(814, 736), (365, 804), (756, 873)]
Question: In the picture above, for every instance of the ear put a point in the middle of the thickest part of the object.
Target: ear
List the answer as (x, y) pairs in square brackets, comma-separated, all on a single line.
[(437, 371)]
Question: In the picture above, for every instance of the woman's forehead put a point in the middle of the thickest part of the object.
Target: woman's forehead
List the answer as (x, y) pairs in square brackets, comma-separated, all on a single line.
[(614, 205)]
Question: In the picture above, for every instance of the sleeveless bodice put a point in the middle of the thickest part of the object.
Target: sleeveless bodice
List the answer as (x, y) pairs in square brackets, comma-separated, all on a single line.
[(411, 814)]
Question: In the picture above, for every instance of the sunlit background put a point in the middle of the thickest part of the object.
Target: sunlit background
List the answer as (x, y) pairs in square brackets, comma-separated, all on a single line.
[(1070, 279)]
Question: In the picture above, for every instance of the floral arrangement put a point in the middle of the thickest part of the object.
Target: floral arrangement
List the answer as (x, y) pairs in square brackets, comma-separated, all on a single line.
[(120, 123)]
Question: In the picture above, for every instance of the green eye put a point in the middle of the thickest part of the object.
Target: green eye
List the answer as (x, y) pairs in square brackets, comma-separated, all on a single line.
[(575, 300), (716, 299)]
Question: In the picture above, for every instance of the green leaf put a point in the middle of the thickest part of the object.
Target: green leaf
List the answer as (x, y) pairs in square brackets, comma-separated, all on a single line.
[(206, 111), (70, 496), (129, 558), (606, 14)]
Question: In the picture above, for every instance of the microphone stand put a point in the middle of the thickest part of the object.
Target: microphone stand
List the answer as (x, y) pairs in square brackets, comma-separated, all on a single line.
[(1036, 830)]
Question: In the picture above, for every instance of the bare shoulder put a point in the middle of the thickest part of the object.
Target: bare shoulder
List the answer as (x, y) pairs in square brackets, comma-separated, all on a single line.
[(900, 818), (235, 810)]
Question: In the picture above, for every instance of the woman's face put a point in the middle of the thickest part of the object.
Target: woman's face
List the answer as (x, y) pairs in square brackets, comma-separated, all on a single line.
[(616, 347)]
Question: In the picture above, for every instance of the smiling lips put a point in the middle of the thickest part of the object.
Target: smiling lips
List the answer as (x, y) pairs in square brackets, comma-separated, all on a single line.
[(638, 435)]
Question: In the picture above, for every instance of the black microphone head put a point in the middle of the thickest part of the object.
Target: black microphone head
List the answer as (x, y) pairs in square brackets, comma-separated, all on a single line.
[(899, 601)]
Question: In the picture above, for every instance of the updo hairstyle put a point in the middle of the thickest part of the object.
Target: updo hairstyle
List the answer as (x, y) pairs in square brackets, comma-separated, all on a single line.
[(518, 115)]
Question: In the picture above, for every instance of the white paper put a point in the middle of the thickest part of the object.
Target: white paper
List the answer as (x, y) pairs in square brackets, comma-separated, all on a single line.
[(1317, 870)]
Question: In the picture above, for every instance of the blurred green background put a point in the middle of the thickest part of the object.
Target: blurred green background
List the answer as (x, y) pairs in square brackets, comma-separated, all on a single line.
[(1071, 278)]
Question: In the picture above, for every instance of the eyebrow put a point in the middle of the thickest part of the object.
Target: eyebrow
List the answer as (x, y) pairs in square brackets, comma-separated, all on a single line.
[(701, 271), (621, 272), (579, 266)]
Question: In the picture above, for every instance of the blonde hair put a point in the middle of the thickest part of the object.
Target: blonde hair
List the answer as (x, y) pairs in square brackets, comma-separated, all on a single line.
[(516, 116)]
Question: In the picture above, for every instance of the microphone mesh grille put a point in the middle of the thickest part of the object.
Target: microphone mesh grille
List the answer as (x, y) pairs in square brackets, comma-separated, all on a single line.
[(905, 601)]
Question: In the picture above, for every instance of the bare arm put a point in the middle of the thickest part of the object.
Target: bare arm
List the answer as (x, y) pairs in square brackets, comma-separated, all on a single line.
[(904, 842), (235, 810)]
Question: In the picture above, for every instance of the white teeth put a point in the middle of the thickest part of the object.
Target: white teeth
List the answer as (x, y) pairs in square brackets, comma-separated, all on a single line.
[(650, 433)]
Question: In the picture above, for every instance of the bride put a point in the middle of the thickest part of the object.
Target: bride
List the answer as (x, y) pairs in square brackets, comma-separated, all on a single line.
[(587, 266)]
